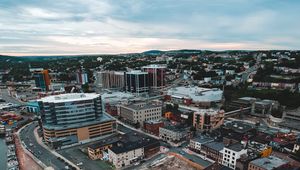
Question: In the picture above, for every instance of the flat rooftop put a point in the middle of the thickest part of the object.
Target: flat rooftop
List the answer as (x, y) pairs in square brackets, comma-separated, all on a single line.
[(69, 97), (111, 97), (237, 147), (269, 163), (218, 146), (197, 94), (175, 128), (141, 106), (136, 72), (238, 126), (203, 139), (155, 66), (132, 141)]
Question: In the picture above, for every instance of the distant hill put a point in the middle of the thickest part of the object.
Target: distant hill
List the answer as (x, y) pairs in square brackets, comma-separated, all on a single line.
[(153, 52)]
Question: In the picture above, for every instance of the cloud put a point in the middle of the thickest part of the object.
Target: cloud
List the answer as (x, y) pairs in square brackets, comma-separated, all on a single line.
[(92, 26)]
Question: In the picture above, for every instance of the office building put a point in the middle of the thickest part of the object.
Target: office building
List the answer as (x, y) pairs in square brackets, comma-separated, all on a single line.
[(208, 119), (73, 118), (138, 113), (82, 77), (156, 76), (137, 82), (111, 79), (42, 79)]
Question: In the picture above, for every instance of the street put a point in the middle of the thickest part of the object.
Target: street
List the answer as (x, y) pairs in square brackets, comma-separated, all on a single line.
[(28, 138), (5, 95)]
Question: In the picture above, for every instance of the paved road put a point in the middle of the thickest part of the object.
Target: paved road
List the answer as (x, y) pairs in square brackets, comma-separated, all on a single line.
[(75, 155), (27, 136), (5, 95)]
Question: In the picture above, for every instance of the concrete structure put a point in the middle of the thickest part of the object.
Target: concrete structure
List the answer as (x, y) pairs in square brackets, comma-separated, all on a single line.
[(268, 163), (202, 97), (156, 76), (208, 119), (73, 118), (264, 107), (231, 153), (111, 79), (137, 82), (42, 79), (291, 119), (138, 113), (173, 134)]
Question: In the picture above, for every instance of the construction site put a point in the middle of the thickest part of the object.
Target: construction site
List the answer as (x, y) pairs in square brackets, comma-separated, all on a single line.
[(170, 162)]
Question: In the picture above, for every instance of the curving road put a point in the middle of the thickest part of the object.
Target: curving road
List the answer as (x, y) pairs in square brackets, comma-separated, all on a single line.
[(28, 139)]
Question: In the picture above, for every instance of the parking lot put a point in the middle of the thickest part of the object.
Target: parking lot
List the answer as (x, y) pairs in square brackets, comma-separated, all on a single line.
[(75, 155)]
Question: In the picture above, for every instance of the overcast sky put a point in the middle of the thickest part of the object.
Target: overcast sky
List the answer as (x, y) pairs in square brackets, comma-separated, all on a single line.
[(49, 27)]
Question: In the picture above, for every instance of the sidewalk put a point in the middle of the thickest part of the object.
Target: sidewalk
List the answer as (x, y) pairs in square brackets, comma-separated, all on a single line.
[(40, 142), (25, 161), (23, 158)]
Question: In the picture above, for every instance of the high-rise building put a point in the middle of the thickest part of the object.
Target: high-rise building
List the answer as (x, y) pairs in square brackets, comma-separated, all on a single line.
[(73, 118), (137, 82), (81, 77), (42, 79), (111, 79), (156, 75)]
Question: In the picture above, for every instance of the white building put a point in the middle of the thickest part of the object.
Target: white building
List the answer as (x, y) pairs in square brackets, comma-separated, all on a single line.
[(232, 153), (123, 155), (196, 143), (140, 112), (296, 147)]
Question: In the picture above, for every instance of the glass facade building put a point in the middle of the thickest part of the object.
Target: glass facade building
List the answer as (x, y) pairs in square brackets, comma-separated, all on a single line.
[(74, 117), (137, 82)]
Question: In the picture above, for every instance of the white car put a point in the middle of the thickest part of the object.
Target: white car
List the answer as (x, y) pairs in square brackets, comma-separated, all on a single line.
[(79, 164)]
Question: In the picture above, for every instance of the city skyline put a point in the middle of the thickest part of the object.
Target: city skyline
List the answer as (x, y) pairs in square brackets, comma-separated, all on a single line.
[(31, 27)]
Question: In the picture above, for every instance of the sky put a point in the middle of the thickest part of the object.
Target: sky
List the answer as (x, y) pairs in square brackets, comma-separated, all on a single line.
[(54, 27)]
